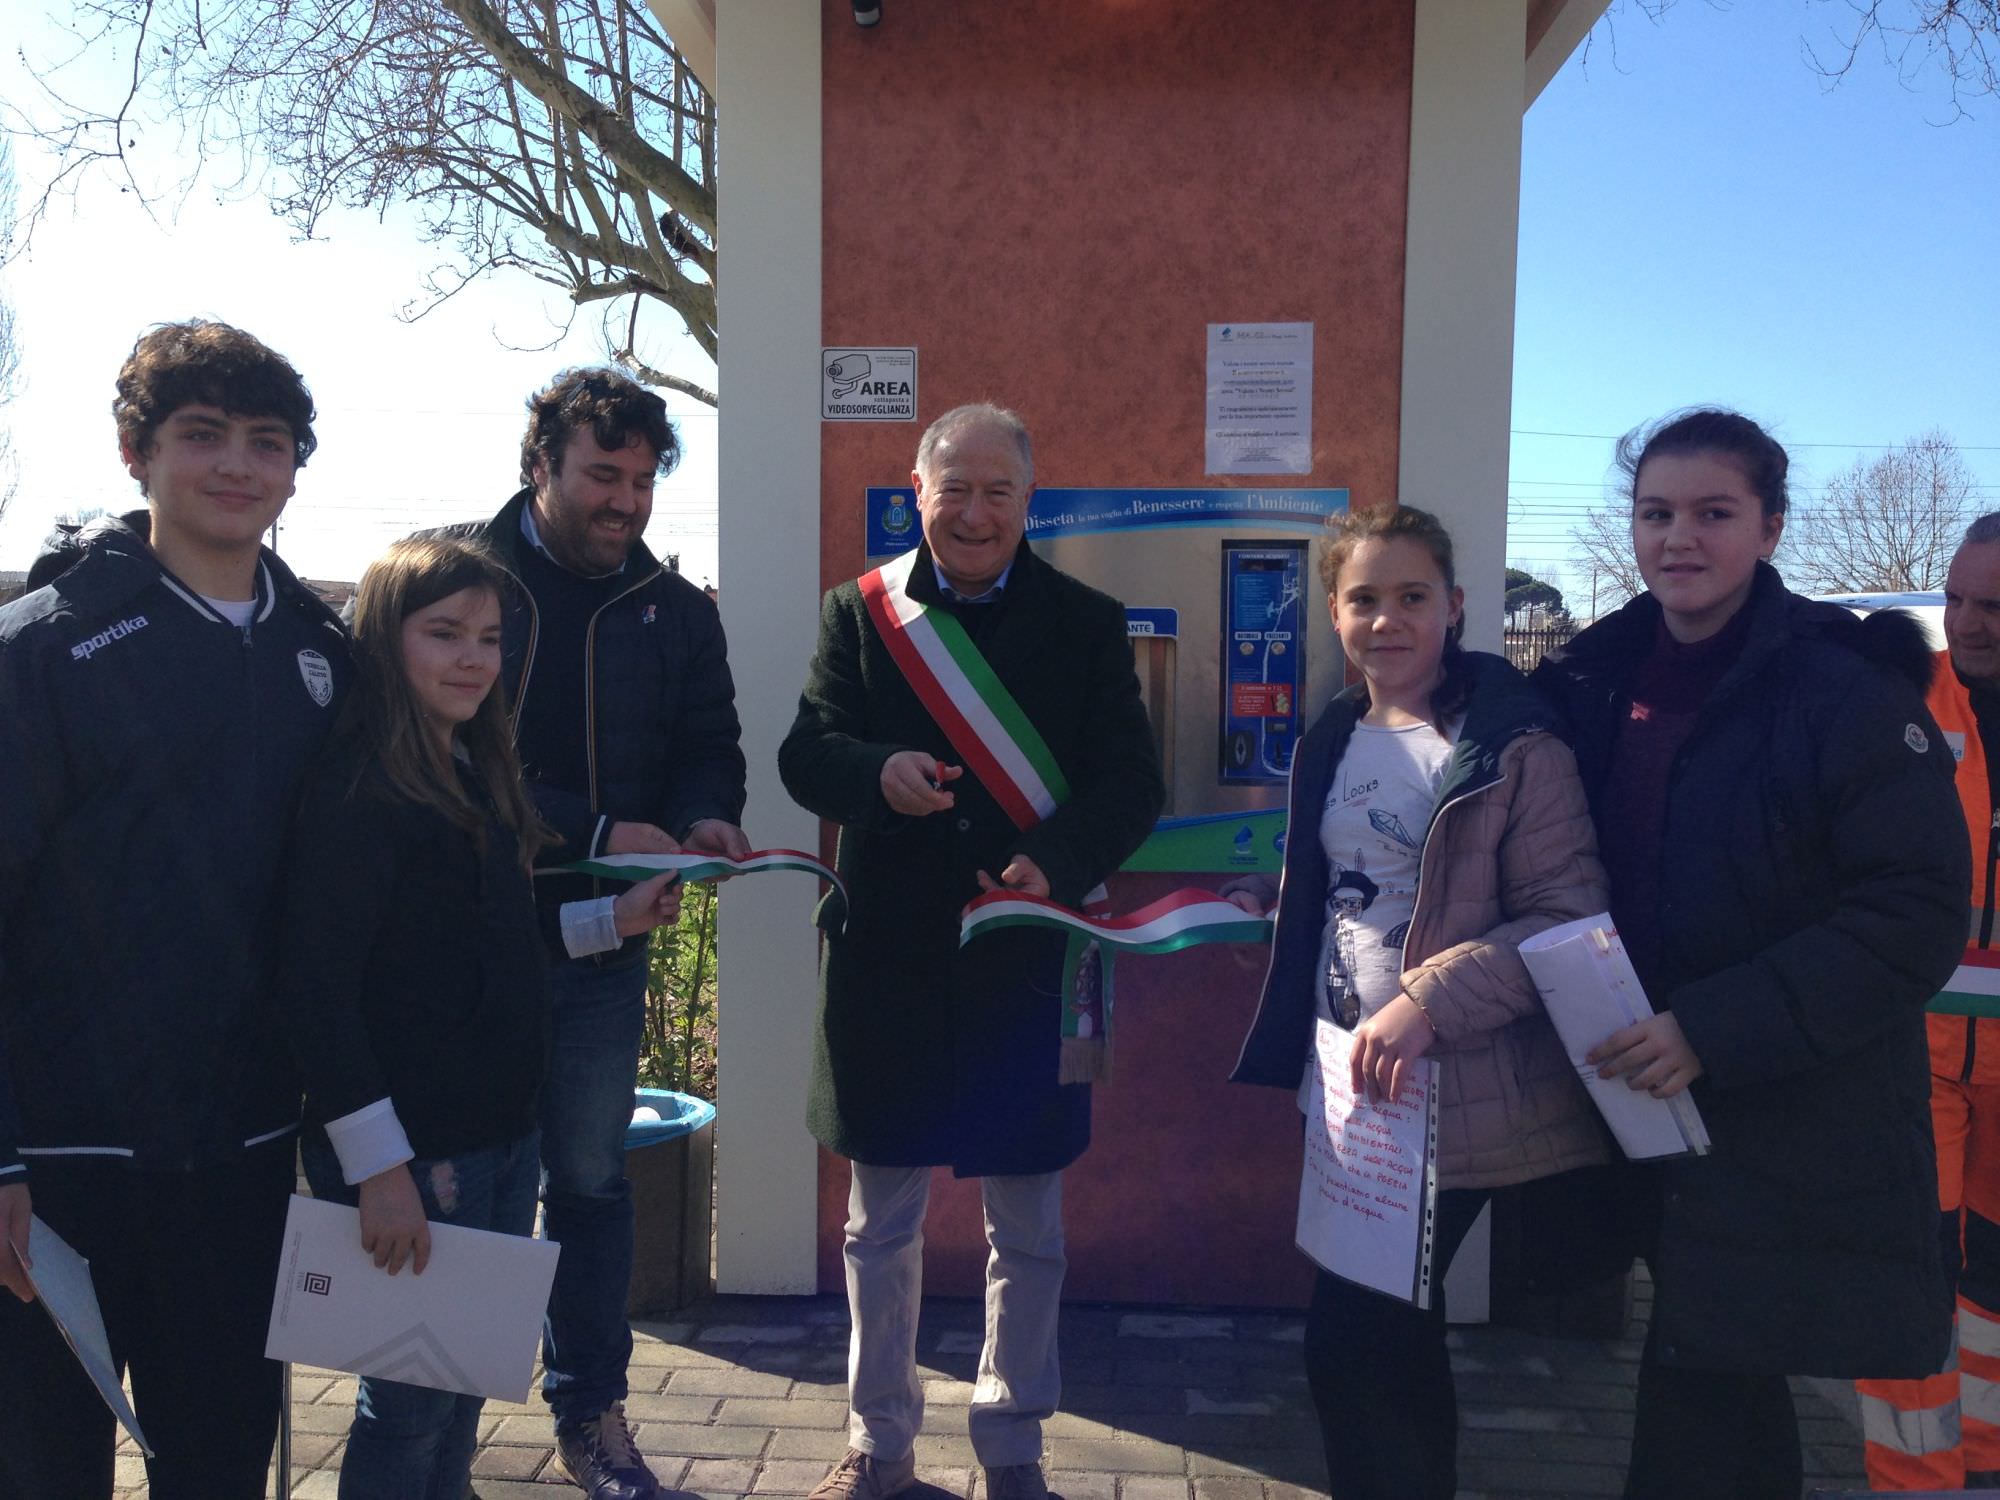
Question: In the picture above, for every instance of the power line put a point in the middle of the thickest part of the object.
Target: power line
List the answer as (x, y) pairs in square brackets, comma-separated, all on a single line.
[(1612, 437)]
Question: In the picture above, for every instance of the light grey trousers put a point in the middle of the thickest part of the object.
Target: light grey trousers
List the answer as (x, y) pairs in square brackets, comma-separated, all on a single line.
[(1019, 1382)]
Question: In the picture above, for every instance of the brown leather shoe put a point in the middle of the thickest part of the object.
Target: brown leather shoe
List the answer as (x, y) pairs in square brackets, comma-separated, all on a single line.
[(862, 1476)]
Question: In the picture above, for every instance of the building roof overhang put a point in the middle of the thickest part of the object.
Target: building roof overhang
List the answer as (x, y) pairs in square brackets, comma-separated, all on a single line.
[(1555, 29)]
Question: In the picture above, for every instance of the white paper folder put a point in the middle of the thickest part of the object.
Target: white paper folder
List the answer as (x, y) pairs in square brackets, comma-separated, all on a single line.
[(1589, 990), (61, 1279), (470, 1323)]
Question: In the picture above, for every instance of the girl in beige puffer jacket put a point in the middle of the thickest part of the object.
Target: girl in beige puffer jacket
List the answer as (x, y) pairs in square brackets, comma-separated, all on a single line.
[(1436, 823)]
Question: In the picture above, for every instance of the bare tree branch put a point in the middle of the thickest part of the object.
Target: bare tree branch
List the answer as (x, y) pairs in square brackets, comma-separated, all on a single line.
[(612, 133), (560, 138), (1959, 37), (1602, 551), (1887, 524), (10, 344), (642, 371)]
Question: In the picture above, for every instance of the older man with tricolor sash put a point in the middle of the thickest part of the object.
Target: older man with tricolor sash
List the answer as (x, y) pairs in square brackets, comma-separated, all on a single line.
[(1943, 1433), (973, 723)]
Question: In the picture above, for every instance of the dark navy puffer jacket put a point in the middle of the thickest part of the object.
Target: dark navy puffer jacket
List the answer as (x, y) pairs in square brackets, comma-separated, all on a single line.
[(151, 755), (1813, 879), (663, 733)]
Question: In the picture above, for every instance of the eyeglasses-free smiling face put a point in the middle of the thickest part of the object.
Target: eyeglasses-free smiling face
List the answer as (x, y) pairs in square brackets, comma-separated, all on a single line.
[(594, 508), (974, 504), (451, 656), (1393, 614), (1698, 533), (215, 480)]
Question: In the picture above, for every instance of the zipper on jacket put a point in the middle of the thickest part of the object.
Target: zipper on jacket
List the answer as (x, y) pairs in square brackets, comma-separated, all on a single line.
[(528, 656), (590, 718), (1430, 838), (590, 678), (1992, 864)]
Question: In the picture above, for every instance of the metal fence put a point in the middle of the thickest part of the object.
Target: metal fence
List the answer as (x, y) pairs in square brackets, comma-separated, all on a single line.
[(1528, 645)]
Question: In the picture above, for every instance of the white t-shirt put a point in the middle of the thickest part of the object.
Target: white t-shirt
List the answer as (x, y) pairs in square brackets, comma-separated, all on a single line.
[(238, 612), (1372, 830)]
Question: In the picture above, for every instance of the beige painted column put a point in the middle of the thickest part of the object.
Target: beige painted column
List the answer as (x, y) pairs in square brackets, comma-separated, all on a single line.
[(1468, 91), (768, 168)]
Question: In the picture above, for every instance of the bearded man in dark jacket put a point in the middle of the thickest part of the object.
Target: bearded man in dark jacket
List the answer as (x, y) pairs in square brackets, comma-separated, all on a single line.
[(927, 1055)]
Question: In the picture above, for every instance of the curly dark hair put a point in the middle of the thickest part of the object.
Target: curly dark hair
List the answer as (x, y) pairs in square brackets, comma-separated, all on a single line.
[(614, 406), (205, 363)]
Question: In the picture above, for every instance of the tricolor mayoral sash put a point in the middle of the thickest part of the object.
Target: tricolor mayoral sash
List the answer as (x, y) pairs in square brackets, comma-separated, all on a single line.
[(1002, 748), (998, 744)]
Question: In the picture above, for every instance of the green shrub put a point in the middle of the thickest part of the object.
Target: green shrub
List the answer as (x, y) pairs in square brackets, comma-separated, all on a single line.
[(679, 1049)]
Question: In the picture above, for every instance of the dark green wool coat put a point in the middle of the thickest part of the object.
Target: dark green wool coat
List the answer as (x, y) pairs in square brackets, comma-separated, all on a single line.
[(926, 1055)]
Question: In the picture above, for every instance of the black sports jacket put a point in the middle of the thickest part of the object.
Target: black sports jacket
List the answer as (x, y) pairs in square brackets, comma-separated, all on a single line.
[(151, 755)]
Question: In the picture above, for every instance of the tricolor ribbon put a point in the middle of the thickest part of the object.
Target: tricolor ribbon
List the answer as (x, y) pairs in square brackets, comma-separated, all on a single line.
[(960, 692), (1179, 920), (1974, 989), (701, 865)]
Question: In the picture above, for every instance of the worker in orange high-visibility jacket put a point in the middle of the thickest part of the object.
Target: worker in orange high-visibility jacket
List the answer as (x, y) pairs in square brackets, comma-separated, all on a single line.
[(1943, 1433)]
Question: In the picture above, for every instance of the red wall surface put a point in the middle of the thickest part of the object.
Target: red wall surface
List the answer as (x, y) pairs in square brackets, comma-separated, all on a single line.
[(1051, 199)]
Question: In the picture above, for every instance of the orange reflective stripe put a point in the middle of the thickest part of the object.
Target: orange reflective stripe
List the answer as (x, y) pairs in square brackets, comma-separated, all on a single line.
[(1890, 1470), (1910, 1430)]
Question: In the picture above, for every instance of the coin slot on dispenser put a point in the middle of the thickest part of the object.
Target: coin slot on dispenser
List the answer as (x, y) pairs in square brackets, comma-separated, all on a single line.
[(1263, 660)]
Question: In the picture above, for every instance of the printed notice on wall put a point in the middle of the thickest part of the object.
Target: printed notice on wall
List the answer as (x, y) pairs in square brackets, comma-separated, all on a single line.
[(868, 385), (1260, 390), (1368, 1193)]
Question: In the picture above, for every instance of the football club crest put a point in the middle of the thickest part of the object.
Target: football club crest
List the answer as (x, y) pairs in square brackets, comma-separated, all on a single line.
[(318, 677)]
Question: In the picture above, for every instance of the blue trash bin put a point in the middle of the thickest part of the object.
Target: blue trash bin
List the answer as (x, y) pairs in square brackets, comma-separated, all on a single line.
[(670, 1163)]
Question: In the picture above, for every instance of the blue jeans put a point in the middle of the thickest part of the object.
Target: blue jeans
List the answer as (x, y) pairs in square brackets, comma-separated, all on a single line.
[(599, 1020), (409, 1442)]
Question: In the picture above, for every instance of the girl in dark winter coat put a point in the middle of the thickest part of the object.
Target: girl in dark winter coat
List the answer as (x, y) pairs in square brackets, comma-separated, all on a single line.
[(1440, 761), (412, 966), (1788, 870)]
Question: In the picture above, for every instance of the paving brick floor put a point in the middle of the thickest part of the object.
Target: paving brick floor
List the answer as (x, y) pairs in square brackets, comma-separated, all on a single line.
[(744, 1397)]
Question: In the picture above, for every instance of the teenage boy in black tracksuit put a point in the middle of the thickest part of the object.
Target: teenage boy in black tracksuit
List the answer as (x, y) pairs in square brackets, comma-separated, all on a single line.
[(159, 701)]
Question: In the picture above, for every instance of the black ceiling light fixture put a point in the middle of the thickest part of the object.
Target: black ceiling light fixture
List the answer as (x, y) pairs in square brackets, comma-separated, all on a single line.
[(867, 12)]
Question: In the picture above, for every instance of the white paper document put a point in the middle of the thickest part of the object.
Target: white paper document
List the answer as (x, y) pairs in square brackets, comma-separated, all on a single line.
[(470, 1323), (1260, 391), (1368, 1193), (1589, 990), (62, 1283)]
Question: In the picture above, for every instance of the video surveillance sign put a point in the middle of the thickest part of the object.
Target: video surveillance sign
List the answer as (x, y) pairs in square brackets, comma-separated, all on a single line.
[(868, 385)]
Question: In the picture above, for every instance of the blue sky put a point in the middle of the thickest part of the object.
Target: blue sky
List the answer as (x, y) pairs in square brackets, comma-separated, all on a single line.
[(1703, 220)]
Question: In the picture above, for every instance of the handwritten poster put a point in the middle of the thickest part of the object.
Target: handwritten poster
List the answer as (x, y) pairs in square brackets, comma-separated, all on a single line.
[(1368, 1191)]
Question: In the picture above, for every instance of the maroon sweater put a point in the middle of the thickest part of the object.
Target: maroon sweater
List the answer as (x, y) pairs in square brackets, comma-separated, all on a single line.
[(1667, 693)]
